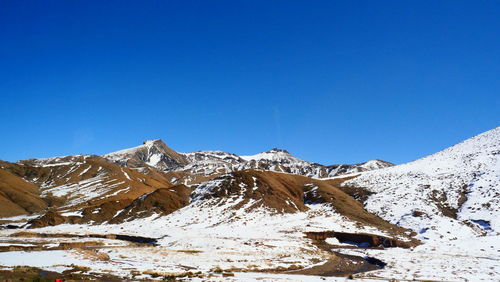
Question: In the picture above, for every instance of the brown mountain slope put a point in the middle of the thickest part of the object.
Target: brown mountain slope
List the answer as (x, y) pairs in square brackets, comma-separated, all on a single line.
[(88, 180), (286, 193), (162, 201), (86, 188), (18, 197)]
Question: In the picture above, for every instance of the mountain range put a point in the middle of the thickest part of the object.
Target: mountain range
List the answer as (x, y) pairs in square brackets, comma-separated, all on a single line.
[(451, 195), (90, 188), (460, 183)]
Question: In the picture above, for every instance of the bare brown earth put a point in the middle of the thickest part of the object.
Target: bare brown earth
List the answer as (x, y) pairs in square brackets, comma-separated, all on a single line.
[(17, 196)]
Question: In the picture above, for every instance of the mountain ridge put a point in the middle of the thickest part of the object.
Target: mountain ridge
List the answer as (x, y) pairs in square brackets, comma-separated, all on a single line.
[(217, 162)]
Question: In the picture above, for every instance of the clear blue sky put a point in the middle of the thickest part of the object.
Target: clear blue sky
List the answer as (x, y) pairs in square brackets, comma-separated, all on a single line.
[(331, 81)]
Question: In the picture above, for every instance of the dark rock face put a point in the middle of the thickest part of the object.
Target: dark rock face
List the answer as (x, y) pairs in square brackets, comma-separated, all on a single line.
[(361, 239), (136, 239)]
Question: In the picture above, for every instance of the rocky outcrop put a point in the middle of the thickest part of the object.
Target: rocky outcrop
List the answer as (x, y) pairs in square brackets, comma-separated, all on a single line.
[(51, 218), (362, 239)]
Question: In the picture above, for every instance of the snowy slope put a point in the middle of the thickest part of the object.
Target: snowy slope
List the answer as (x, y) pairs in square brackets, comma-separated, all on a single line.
[(275, 155), (450, 194)]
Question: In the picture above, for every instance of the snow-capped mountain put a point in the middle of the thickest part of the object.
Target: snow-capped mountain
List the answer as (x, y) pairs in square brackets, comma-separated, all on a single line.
[(282, 161), (156, 154), (211, 162), (451, 193), (275, 155)]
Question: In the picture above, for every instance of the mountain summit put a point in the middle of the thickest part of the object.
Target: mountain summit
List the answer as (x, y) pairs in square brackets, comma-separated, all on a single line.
[(153, 153)]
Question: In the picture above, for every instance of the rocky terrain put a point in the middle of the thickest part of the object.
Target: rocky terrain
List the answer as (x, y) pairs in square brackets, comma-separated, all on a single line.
[(151, 212)]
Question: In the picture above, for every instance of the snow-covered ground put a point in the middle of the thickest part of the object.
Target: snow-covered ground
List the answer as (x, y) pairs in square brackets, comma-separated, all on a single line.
[(464, 178), (203, 237), (468, 259)]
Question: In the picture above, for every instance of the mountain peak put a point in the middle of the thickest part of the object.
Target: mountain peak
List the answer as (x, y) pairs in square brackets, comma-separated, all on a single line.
[(152, 152), (153, 141), (278, 150)]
